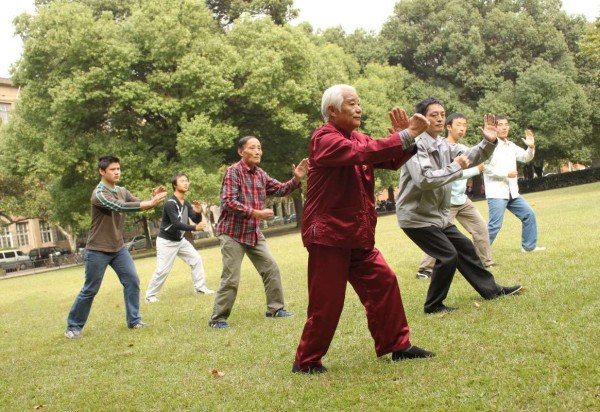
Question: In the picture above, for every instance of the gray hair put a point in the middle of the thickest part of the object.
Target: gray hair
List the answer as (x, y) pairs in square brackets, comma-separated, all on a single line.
[(333, 97)]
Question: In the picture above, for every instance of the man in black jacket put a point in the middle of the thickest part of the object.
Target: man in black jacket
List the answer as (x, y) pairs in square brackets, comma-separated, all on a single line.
[(171, 241)]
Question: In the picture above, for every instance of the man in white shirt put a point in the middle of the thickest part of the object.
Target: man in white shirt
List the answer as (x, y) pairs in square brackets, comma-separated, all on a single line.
[(502, 190), (461, 206)]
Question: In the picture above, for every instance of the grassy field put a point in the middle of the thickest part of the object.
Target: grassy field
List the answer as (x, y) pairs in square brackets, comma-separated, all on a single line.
[(537, 351)]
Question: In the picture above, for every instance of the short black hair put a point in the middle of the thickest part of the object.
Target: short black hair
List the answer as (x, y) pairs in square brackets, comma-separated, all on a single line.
[(424, 104), (104, 161), (501, 117), (176, 176), (454, 116), (242, 142)]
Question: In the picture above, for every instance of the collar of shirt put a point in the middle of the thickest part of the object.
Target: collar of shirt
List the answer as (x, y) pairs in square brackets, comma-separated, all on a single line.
[(115, 190), (431, 142), (248, 168), (501, 142)]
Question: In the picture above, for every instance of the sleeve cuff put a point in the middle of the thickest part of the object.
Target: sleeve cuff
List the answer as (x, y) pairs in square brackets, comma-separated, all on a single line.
[(408, 142)]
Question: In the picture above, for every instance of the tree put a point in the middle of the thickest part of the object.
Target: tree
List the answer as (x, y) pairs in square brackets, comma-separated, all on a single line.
[(510, 57), (551, 104), (366, 47), (95, 82), (227, 11), (159, 84), (475, 45), (589, 73)]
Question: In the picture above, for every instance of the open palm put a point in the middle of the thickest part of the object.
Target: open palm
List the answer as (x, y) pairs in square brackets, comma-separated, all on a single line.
[(489, 130)]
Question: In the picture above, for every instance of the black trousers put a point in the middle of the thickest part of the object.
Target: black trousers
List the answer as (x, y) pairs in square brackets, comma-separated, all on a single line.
[(452, 250)]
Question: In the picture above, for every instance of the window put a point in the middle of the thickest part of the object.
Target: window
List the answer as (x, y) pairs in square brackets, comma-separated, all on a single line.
[(4, 112), (5, 238), (46, 232), (23, 234)]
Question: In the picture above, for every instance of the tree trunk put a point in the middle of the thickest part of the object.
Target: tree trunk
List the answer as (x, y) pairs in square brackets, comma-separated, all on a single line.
[(72, 239), (390, 191), (146, 226), (298, 206), (528, 171)]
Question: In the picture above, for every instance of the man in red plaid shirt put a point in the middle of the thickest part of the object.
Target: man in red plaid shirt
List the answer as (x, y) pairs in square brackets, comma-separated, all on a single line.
[(243, 194)]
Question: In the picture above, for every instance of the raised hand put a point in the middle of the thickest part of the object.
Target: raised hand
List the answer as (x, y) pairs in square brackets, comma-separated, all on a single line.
[(197, 206), (417, 124), (157, 190), (159, 197), (529, 140), (399, 120), (300, 170), (489, 130)]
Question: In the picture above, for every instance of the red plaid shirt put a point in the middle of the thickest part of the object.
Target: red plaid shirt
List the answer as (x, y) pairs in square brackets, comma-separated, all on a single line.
[(243, 190)]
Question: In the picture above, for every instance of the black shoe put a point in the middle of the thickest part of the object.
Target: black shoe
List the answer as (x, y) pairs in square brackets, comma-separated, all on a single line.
[(423, 274), (440, 308), (281, 313), (311, 370), (511, 290), (414, 352), (507, 291)]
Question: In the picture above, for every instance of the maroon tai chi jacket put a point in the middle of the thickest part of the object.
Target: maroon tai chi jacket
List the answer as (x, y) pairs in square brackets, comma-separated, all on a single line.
[(339, 209)]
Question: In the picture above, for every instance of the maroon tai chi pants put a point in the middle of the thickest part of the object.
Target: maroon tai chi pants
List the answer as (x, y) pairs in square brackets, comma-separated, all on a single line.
[(329, 269)]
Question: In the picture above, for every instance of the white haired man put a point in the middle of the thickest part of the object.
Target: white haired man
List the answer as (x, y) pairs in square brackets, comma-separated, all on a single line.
[(338, 230)]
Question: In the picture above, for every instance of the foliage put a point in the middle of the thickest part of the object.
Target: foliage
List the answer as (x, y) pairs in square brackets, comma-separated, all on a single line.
[(227, 11), (532, 352), (475, 45), (555, 181), (552, 105), (160, 85), (365, 47), (589, 75)]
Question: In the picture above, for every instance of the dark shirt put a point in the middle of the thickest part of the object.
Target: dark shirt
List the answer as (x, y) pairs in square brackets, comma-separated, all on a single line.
[(175, 217)]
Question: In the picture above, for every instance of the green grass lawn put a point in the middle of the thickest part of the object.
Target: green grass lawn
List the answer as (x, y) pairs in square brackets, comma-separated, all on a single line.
[(537, 351)]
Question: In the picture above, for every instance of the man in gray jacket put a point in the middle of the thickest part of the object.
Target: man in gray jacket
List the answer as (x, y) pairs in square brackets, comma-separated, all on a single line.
[(423, 205)]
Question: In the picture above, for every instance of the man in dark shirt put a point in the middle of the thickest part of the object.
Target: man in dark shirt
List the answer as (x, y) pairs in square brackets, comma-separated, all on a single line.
[(172, 243), (243, 194), (105, 246)]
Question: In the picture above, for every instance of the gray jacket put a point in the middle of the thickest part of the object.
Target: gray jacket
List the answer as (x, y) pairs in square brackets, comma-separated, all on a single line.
[(424, 198)]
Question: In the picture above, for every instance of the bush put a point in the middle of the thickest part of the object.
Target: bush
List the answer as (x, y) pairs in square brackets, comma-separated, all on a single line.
[(578, 177)]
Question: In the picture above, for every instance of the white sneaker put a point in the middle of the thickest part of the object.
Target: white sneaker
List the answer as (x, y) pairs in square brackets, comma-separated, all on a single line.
[(73, 334), (140, 325), (152, 299), (204, 290), (537, 249)]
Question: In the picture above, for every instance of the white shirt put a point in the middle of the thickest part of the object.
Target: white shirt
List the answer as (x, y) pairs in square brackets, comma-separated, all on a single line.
[(504, 159)]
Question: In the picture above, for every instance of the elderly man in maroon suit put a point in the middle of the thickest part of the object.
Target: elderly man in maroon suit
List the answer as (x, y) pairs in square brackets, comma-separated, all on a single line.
[(338, 229)]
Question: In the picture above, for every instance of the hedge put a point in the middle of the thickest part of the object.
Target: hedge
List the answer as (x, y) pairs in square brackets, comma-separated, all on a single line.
[(578, 177)]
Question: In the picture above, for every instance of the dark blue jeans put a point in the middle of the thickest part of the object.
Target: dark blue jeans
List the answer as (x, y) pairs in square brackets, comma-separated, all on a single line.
[(95, 267)]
